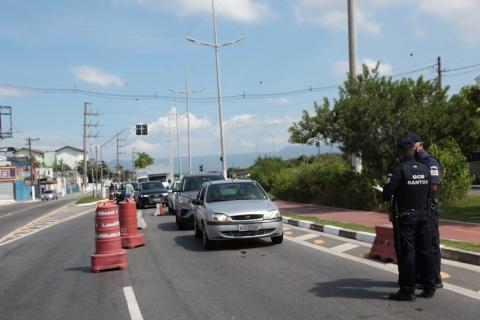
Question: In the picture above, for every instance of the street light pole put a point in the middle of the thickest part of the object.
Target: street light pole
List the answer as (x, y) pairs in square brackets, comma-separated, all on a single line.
[(188, 122), (101, 155), (217, 47), (176, 124)]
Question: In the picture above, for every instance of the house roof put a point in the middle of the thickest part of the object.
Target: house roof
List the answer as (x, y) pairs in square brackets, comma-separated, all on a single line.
[(69, 147), (33, 150)]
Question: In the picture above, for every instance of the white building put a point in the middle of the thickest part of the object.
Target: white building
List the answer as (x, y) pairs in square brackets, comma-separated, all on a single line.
[(25, 153), (70, 156)]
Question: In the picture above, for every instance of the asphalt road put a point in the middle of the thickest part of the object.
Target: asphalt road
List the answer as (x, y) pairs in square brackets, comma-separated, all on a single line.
[(47, 276), (16, 215)]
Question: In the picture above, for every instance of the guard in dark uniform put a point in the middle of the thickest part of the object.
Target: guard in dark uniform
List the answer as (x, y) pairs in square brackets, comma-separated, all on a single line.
[(409, 185), (421, 155)]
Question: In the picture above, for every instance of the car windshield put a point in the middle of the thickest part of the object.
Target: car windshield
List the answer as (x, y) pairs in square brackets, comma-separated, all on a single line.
[(235, 191), (153, 185), (48, 191), (194, 183)]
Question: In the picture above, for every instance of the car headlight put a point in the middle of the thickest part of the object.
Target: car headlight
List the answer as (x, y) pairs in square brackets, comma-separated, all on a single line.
[(144, 195), (220, 218), (272, 214)]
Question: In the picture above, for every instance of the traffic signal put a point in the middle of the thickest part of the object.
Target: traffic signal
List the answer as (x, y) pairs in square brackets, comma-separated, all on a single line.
[(200, 168), (141, 130)]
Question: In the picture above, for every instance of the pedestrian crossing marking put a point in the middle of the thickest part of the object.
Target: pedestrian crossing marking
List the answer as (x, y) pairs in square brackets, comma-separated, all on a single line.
[(345, 247), (444, 275), (306, 236), (318, 241)]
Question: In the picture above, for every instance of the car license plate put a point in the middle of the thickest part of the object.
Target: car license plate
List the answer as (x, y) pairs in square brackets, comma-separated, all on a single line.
[(157, 199), (248, 227)]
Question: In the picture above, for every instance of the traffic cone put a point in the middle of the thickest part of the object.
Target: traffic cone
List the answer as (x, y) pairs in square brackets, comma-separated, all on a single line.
[(157, 210)]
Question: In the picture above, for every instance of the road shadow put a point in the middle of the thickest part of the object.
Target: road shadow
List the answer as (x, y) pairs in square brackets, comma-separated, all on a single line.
[(82, 269), (353, 288), (168, 226), (189, 242)]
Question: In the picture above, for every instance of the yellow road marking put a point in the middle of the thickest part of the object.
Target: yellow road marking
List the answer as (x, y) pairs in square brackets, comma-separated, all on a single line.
[(444, 275), (318, 241), (288, 233)]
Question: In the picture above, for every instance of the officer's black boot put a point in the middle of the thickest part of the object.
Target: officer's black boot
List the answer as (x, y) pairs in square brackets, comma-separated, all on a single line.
[(402, 295), (427, 293)]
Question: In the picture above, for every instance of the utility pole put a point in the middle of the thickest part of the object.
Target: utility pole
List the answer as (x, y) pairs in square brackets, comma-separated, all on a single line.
[(133, 163), (439, 73), (95, 193), (176, 124), (119, 152), (352, 53), (170, 149), (86, 135), (187, 94), (101, 156), (217, 47), (29, 143)]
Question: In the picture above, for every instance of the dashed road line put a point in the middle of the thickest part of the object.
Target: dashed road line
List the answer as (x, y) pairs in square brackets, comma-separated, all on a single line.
[(133, 308), (345, 247)]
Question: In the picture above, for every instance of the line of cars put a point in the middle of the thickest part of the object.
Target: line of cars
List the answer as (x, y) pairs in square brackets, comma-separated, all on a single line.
[(219, 209)]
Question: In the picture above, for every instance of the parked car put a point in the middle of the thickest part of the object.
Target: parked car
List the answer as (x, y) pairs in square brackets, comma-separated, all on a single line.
[(151, 193), (49, 195), (186, 192), (172, 194), (235, 209)]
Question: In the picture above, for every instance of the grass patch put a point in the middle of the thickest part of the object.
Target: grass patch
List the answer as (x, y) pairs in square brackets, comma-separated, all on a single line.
[(472, 247), (465, 210), (88, 199), (345, 225)]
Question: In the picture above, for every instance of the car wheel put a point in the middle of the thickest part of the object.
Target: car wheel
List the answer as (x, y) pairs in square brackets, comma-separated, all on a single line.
[(277, 240), (207, 243), (197, 230), (180, 224)]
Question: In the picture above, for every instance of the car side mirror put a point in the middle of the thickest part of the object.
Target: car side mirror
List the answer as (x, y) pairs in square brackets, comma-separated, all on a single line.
[(197, 202), (273, 198)]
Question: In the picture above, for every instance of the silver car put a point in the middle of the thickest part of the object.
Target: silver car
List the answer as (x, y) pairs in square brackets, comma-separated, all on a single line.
[(235, 209)]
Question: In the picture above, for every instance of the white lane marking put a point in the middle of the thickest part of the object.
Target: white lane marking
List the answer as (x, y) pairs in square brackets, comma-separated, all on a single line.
[(133, 308), (31, 228), (462, 265), (331, 236), (345, 247), (307, 236), (386, 267)]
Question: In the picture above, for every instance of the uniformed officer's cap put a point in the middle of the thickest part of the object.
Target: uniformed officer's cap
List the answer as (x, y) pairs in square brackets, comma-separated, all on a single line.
[(405, 143), (413, 137)]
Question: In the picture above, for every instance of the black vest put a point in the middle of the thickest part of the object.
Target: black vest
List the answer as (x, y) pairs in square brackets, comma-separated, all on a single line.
[(414, 186)]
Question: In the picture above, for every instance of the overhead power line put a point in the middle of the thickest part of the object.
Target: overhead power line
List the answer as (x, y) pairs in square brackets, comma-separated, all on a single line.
[(241, 96)]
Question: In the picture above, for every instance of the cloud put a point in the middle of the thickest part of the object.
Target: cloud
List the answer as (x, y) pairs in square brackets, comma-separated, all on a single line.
[(7, 92), (340, 68), (97, 76), (333, 14), (246, 11), (244, 133), (463, 14), (239, 120), (196, 123)]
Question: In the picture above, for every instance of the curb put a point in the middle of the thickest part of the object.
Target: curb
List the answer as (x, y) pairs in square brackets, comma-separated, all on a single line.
[(88, 204), (447, 253)]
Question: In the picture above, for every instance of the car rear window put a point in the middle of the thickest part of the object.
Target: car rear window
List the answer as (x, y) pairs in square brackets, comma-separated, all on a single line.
[(194, 183)]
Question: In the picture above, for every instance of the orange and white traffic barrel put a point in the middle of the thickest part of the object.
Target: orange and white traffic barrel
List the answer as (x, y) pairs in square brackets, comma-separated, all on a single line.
[(108, 246), (128, 225)]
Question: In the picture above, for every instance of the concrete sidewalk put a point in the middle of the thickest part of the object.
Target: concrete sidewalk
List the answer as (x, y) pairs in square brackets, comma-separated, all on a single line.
[(468, 232)]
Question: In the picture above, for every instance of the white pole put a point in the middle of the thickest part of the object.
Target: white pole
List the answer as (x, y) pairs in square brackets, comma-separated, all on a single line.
[(188, 122), (178, 139), (219, 92)]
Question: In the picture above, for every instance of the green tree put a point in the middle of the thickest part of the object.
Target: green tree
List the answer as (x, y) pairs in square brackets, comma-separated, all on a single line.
[(143, 160)]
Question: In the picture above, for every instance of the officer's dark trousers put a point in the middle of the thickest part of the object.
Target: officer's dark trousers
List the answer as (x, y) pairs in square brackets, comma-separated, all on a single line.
[(415, 241)]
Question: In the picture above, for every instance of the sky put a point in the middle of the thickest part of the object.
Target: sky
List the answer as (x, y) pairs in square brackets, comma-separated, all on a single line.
[(139, 48)]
